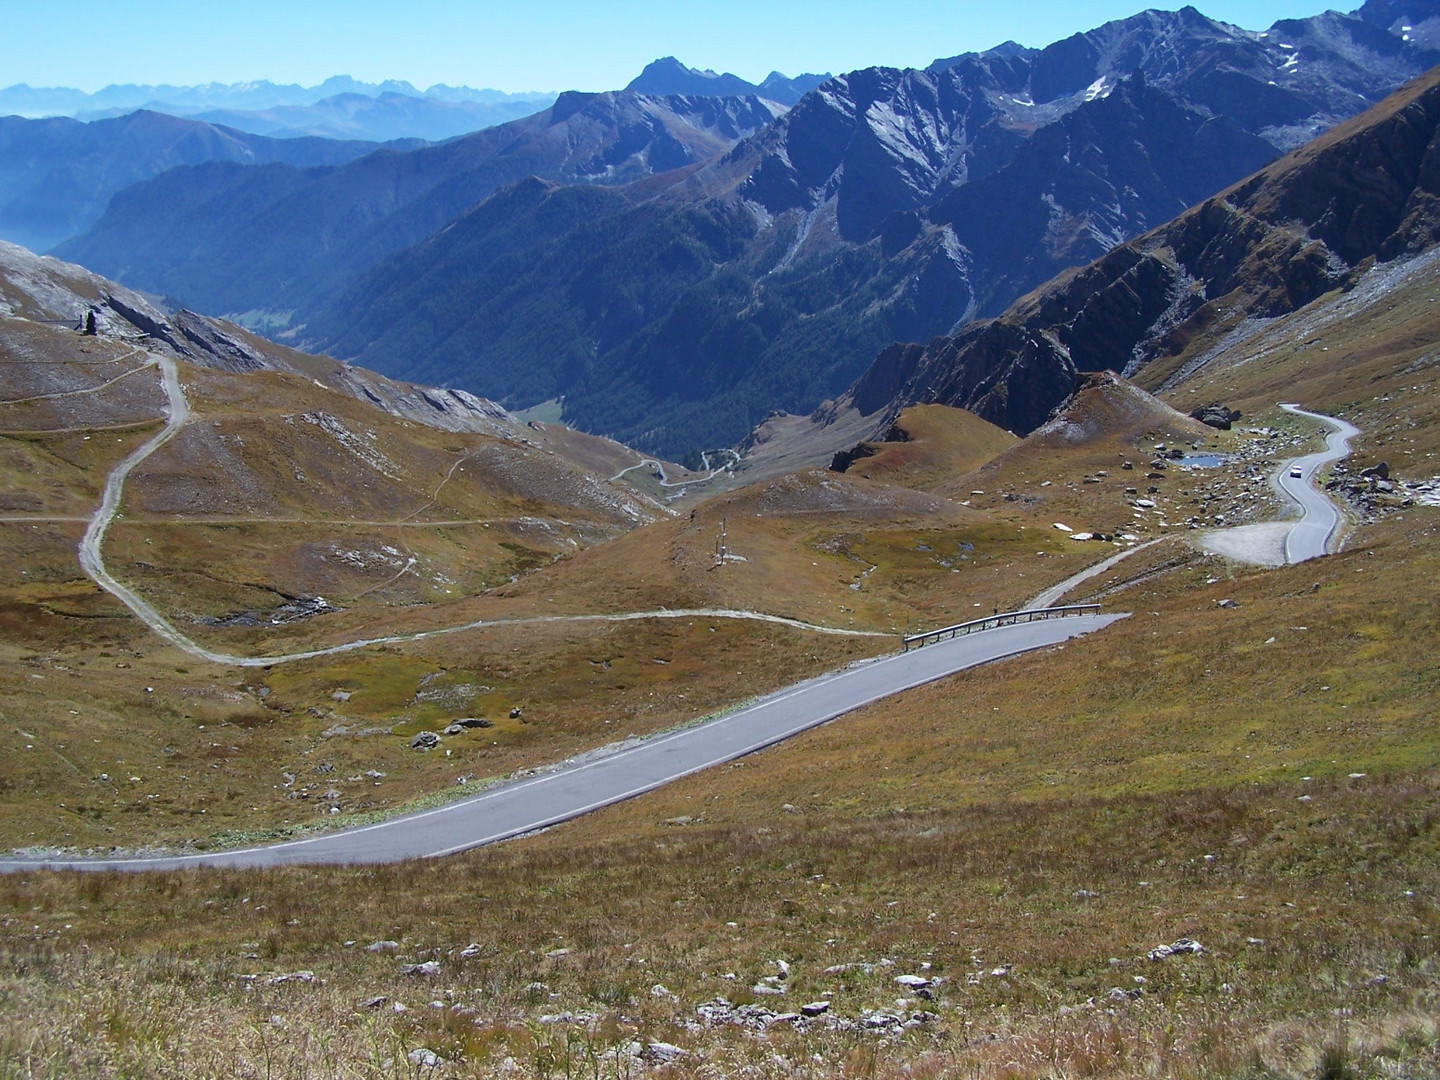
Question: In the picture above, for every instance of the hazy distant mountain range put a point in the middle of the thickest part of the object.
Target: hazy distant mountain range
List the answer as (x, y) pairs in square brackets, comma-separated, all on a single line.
[(57, 175), (280, 238), (338, 108), (30, 101)]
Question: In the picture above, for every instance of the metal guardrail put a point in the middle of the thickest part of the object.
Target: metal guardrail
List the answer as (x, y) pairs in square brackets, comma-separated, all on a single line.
[(1004, 618)]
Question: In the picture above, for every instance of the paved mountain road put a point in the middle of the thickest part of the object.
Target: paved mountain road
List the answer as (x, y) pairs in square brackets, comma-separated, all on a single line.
[(1312, 535), (602, 778), (598, 780)]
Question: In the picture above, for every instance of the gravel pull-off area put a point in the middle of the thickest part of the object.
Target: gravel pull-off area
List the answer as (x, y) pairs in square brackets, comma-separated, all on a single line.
[(1262, 544)]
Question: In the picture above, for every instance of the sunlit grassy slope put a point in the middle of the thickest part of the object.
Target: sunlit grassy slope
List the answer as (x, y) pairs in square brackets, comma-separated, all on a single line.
[(1259, 776)]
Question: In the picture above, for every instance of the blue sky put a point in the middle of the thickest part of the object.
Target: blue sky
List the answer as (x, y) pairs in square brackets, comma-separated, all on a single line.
[(552, 45)]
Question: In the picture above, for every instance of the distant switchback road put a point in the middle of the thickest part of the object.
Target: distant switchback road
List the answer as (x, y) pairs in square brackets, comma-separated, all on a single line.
[(92, 561), (1315, 532)]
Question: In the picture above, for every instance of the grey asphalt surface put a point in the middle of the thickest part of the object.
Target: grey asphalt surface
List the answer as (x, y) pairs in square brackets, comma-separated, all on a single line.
[(1315, 532), (576, 788)]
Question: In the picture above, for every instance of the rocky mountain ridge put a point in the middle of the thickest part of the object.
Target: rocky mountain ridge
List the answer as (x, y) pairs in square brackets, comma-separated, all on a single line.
[(1160, 307), (660, 319), (229, 239), (886, 205), (678, 310), (669, 76)]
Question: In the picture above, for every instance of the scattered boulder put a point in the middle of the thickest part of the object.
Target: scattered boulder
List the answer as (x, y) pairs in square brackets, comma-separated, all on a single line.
[(382, 946), (424, 1059), (515, 713), (374, 1002), (1177, 947), (1377, 472), (294, 977), (815, 1008), (662, 1052), (425, 740), (426, 969), (1216, 416), (471, 722)]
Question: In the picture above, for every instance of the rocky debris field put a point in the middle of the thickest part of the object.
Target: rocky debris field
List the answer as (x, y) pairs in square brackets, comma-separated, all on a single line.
[(1373, 492)]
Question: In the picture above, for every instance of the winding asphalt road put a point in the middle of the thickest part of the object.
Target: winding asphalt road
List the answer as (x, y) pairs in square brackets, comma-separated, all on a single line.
[(598, 780), (573, 788), (1313, 534), (603, 778)]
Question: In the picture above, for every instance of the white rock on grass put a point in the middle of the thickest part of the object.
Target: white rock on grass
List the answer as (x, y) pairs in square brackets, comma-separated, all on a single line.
[(1178, 947), (294, 977)]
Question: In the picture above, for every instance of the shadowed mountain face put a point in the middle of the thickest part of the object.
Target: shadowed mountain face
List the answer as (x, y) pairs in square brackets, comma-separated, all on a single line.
[(1159, 308), (677, 311), (58, 175), (663, 320)]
